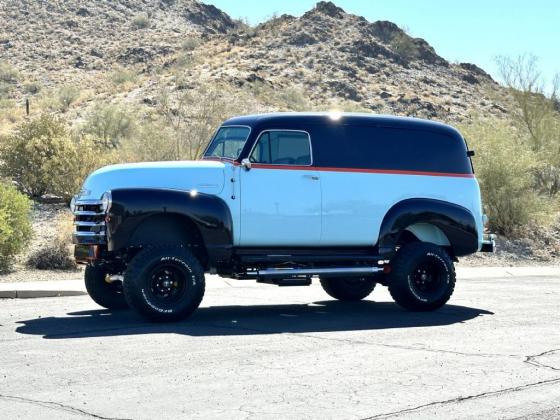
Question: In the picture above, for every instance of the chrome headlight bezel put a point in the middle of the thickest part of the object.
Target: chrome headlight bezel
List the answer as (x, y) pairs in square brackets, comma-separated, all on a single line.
[(106, 201)]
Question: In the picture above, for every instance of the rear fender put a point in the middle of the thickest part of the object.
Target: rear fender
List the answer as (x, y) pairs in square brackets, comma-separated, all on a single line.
[(456, 223)]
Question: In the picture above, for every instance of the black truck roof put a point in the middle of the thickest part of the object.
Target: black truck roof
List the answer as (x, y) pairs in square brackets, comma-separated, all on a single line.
[(286, 119)]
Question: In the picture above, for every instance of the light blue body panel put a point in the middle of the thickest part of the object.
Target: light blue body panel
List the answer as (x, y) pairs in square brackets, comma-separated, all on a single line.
[(203, 176), (280, 207), (355, 203), (294, 207)]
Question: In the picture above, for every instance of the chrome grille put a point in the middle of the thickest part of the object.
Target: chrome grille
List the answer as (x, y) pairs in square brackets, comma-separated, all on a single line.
[(89, 222)]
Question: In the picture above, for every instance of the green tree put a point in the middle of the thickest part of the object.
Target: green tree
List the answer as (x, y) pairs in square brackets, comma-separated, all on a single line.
[(41, 158), (536, 113)]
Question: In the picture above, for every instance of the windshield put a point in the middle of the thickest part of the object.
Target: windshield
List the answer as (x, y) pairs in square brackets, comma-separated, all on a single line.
[(228, 142)]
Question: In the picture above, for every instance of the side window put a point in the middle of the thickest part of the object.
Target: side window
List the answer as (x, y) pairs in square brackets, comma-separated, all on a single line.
[(277, 147), (387, 148)]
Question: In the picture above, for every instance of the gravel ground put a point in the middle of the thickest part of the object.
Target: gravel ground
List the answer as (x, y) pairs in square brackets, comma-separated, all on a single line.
[(539, 247)]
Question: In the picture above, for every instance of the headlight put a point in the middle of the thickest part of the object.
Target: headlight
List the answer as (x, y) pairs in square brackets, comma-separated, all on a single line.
[(73, 204), (106, 201)]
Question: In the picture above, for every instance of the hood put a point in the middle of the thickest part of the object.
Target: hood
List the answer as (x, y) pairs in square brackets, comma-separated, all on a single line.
[(203, 176)]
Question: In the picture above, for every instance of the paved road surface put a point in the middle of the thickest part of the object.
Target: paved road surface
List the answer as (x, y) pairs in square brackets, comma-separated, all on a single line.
[(263, 352)]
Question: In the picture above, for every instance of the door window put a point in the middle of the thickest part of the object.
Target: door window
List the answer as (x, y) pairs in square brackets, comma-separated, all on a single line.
[(282, 147)]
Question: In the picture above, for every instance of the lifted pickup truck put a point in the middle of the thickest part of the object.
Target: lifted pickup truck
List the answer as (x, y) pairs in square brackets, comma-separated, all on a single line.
[(354, 199)]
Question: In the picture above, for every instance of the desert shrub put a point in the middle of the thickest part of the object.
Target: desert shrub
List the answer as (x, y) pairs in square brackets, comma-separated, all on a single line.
[(403, 45), (5, 90), (108, 125), (32, 87), (42, 158), (190, 44), (66, 96), (344, 106), (10, 112), (293, 99), (8, 73), (57, 254), (8, 79), (140, 21), (152, 141), (15, 225), (47, 101), (183, 60), (121, 76), (6, 104), (505, 166)]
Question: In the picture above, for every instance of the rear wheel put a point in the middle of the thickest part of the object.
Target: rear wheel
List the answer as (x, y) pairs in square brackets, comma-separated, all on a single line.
[(164, 283), (348, 288), (422, 277), (102, 290)]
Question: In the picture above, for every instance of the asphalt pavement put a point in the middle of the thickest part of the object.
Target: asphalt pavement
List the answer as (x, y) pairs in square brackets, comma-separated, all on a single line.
[(264, 352)]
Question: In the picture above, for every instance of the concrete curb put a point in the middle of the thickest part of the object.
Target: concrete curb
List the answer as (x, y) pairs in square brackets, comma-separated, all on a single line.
[(42, 289), (30, 294)]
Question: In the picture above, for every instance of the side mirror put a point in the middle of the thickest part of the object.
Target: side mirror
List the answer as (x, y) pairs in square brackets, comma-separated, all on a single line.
[(246, 163)]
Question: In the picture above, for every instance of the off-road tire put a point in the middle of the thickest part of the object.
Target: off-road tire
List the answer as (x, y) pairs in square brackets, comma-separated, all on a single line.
[(143, 285), (348, 288), (108, 295), (406, 284)]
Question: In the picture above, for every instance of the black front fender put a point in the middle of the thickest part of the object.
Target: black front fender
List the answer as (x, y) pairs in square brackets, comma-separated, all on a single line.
[(210, 214), (456, 222)]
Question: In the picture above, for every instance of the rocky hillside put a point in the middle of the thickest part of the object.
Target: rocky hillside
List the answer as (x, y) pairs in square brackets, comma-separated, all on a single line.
[(333, 54), (49, 37), (327, 56)]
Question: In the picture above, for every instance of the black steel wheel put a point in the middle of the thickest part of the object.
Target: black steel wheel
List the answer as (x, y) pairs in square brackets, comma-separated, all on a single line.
[(164, 283), (348, 288), (422, 277), (103, 290)]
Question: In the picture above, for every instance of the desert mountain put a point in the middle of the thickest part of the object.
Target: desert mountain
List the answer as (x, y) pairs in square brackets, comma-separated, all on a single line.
[(327, 55)]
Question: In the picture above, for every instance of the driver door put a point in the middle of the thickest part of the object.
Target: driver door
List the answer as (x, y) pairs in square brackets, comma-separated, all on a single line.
[(280, 194)]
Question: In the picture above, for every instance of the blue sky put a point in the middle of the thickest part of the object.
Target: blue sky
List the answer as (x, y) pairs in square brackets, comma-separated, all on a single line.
[(474, 31)]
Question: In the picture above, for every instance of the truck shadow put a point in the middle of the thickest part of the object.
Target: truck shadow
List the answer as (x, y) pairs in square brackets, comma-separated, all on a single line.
[(324, 316)]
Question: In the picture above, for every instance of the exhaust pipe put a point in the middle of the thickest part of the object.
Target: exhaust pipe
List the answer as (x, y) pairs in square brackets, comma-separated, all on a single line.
[(324, 272)]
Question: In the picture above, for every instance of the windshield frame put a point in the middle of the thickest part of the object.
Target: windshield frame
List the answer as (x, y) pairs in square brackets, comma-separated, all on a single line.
[(214, 136)]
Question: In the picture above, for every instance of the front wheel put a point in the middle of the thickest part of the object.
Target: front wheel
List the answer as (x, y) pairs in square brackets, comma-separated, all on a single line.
[(348, 288), (164, 283), (422, 277), (104, 293)]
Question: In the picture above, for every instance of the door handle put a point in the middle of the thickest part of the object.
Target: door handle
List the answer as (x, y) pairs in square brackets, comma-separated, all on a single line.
[(312, 177)]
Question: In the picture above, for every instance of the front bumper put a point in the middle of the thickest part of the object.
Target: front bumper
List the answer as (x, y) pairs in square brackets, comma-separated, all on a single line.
[(488, 243)]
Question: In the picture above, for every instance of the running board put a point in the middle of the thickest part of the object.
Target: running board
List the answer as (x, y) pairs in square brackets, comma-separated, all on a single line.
[(287, 273), (295, 281)]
